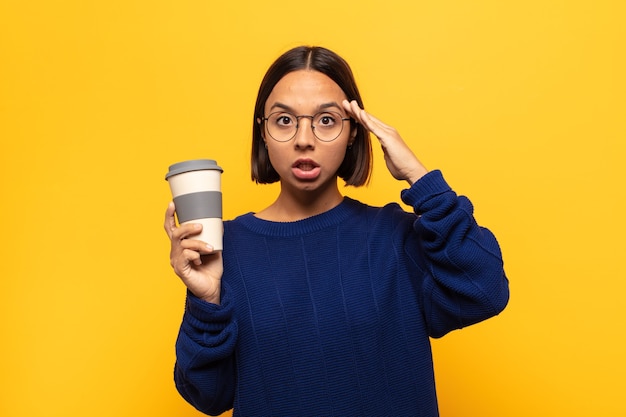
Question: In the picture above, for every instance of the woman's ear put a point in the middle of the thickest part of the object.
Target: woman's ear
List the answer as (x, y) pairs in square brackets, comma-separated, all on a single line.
[(260, 122), (353, 133)]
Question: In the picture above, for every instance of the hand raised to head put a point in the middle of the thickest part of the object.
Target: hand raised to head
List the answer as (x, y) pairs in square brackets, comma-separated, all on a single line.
[(401, 161)]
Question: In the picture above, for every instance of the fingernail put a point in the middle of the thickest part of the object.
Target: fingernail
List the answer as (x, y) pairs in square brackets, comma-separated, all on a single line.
[(209, 247)]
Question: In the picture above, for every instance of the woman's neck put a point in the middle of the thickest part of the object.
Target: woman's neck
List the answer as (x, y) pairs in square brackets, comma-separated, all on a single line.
[(292, 205)]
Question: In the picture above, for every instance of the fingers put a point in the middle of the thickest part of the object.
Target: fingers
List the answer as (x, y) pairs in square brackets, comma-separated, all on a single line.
[(170, 221), (356, 112), (187, 251), (185, 231), (371, 123), (182, 239), (353, 109), (191, 256), (178, 232), (184, 258), (194, 244)]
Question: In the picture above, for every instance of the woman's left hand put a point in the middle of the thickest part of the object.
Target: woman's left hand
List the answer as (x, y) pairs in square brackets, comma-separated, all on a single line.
[(401, 161)]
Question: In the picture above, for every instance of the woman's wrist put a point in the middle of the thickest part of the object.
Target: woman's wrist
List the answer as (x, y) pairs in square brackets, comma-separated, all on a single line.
[(418, 173)]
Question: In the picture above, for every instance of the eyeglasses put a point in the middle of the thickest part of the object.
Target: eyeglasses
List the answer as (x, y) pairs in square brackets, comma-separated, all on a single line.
[(283, 126)]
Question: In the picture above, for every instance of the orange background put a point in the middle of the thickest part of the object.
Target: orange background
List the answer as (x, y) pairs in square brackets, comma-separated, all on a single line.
[(521, 104)]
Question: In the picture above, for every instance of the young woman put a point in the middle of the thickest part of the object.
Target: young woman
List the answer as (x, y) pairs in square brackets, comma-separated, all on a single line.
[(321, 305)]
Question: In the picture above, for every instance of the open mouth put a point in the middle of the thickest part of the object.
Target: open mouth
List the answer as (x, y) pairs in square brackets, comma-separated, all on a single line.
[(306, 169), (305, 166)]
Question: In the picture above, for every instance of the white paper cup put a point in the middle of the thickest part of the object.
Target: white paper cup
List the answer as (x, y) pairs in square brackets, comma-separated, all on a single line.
[(197, 192)]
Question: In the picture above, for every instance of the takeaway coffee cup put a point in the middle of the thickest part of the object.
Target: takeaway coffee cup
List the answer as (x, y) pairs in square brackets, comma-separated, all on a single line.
[(196, 189)]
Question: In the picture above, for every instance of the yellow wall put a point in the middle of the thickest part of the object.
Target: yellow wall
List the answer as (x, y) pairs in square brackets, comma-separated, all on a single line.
[(521, 104)]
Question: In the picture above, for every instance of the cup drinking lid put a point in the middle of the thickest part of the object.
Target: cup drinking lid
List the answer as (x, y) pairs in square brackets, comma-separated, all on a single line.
[(193, 165)]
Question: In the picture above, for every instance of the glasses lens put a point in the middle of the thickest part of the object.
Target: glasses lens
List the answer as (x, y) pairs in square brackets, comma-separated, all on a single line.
[(327, 126), (282, 126)]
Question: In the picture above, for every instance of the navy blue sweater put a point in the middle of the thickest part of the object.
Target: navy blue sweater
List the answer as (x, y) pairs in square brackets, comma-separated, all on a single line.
[(331, 315)]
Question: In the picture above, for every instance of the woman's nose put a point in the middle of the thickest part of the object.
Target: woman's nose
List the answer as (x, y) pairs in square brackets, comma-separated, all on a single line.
[(304, 135)]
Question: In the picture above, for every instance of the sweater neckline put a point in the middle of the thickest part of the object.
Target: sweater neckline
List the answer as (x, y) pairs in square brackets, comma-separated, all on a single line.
[(330, 218)]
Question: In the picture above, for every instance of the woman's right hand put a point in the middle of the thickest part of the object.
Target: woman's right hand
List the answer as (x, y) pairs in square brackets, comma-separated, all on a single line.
[(196, 263)]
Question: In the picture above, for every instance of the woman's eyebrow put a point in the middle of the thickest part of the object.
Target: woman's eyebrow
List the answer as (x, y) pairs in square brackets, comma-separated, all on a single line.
[(329, 105), (321, 107), (281, 106)]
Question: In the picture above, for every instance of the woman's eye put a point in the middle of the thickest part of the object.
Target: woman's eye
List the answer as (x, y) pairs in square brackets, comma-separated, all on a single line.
[(284, 121), (326, 120)]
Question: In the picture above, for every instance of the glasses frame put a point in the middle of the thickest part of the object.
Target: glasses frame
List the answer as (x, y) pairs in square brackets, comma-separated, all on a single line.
[(305, 116)]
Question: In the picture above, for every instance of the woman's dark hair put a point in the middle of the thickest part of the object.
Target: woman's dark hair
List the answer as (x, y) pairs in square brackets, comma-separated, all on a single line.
[(357, 165)]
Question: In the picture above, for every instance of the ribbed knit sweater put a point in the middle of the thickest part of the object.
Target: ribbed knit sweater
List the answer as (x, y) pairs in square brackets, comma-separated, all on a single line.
[(331, 315)]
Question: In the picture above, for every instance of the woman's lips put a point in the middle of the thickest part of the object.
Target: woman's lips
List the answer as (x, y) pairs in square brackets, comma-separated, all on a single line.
[(305, 169)]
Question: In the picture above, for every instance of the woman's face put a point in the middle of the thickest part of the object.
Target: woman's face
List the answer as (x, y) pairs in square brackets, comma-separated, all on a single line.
[(305, 162)]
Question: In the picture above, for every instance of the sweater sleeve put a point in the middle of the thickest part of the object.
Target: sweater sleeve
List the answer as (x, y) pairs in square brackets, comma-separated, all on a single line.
[(465, 281), (205, 372)]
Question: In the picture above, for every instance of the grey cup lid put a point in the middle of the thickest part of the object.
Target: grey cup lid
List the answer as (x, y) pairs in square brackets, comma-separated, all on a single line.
[(192, 165)]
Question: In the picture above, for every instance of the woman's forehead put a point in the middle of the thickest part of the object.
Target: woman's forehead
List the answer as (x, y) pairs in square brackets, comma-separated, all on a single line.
[(305, 88)]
